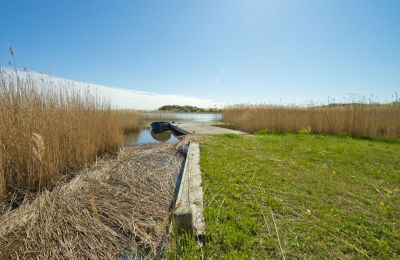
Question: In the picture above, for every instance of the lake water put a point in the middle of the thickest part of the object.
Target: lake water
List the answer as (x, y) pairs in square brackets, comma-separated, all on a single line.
[(146, 136)]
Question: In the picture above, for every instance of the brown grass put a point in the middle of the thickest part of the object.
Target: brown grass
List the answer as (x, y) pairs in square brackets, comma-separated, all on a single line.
[(48, 129), (367, 120), (117, 209)]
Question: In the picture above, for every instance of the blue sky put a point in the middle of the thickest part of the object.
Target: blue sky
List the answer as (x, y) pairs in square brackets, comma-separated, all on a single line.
[(231, 51)]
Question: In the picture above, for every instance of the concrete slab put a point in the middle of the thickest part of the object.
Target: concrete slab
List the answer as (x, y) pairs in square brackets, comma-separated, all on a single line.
[(206, 128)]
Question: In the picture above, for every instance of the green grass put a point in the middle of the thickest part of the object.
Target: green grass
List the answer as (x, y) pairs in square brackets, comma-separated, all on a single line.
[(299, 195)]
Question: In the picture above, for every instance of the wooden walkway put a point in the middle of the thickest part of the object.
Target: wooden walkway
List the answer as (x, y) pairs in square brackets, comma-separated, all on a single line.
[(189, 202), (188, 213)]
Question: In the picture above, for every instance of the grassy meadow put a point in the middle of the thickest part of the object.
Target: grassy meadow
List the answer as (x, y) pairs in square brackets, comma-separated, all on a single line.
[(48, 130), (366, 120), (298, 196)]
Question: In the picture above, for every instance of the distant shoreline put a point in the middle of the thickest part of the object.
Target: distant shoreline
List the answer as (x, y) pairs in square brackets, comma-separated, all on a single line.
[(177, 112)]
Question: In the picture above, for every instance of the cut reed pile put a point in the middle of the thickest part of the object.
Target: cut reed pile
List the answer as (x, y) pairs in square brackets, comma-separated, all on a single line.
[(367, 120), (48, 129), (119, 208)]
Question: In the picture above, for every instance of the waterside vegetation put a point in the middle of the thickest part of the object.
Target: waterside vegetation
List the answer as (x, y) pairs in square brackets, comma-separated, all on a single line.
[(48, 130), (355, 119)]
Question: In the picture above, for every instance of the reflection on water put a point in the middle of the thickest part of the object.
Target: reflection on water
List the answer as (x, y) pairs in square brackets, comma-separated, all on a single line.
[(161, 136), (146, 136), (170, 116)]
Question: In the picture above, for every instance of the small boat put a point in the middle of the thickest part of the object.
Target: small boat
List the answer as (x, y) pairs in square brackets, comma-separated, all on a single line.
[(160, 126), (179, 131)]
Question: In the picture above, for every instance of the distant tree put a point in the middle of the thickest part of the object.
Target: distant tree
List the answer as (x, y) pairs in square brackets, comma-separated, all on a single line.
[(190, 109)]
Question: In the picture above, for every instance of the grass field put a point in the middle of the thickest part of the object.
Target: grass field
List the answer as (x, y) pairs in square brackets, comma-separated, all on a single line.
[(299, 196)]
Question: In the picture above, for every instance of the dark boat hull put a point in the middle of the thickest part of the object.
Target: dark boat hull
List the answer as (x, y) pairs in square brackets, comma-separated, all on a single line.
[(160, 126)]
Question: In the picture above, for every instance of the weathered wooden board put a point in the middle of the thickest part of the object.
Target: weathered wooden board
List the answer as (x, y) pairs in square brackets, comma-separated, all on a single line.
[(190, 194)]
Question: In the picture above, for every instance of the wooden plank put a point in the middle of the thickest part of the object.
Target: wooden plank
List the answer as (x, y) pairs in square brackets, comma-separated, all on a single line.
[(179, 130), (182, 217), (195, 189), (189, 202)]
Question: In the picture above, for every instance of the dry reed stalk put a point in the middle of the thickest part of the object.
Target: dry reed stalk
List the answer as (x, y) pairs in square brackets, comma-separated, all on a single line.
[(130, 120), (117, 208), (372, 120), (277, 235), (48, 129), (2, 181), (38, 148)]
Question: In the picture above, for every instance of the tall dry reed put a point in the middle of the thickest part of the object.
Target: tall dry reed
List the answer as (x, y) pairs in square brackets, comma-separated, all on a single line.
[(130, 120), (372, 120), (48, 129)]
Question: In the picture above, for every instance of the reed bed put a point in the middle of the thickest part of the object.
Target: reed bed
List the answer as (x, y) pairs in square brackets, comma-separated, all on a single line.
[(130, 120), (363, 120), (48, 129), (116, 209)]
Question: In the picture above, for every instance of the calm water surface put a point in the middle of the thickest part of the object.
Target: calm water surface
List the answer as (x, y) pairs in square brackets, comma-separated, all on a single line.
[(146, 136)]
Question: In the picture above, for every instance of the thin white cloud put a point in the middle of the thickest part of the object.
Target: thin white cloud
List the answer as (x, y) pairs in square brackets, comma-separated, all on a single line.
[(126, 98), (218, 79)]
